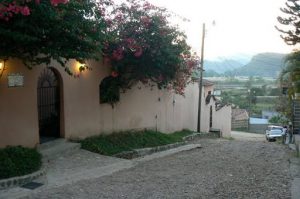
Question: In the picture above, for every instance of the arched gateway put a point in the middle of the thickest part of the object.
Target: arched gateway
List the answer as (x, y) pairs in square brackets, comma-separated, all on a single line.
[(48, 94)]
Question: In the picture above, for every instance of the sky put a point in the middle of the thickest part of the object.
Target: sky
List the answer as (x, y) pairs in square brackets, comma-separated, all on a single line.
[(242, 27)]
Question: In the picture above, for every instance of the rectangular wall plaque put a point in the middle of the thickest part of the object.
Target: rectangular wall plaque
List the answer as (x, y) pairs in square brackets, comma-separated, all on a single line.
[(15, 80)]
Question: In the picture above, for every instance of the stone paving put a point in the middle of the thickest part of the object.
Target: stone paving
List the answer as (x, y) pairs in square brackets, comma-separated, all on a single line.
[(83, 165), (218, 169)]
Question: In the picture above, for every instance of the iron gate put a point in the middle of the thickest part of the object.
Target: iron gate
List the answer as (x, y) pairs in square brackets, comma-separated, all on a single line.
[(48, 93)]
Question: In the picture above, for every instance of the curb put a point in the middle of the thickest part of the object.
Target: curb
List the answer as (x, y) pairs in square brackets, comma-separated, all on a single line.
[(295, 173), (21, 180), (168, 152), (147, 151), (192, 137), (295, 147), (297, 144)]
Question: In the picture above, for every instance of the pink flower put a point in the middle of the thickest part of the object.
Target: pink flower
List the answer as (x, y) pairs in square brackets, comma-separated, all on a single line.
[(145, 20), (108, 22), (114, 74), (130, 40), (25, 11), (118, 54), (10, 7), (37, 1), (138, 52), (119, 17), (148, 6), (56, 2)]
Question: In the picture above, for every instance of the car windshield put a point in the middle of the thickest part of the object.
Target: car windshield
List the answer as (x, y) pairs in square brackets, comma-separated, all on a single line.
[(275, 131)]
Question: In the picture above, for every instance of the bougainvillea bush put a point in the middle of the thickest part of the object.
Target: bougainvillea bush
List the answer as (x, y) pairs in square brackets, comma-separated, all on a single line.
[(147, 48), (135, 37), (37, 31)]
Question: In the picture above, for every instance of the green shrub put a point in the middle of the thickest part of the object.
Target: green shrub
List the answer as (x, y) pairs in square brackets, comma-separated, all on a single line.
[(127, 141), (18, 161)]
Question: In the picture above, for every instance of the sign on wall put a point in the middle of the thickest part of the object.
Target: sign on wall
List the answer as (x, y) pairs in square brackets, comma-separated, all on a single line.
[(15, 80)]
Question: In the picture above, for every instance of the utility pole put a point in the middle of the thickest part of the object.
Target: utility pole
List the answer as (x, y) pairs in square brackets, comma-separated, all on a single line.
[(201, 78)]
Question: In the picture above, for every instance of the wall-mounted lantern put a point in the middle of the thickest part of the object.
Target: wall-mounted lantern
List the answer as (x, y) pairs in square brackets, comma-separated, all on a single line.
[(81, 67), (3, 66)]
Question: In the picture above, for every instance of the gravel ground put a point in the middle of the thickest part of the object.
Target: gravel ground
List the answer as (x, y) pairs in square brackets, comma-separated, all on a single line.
[(220, 169)]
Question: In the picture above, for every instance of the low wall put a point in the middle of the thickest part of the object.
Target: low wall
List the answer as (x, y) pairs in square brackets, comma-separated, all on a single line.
[(258, 128), (239, 124), (222, 120)]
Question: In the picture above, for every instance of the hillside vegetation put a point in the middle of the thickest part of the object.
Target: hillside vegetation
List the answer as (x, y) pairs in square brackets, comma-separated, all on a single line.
[(262, 65)]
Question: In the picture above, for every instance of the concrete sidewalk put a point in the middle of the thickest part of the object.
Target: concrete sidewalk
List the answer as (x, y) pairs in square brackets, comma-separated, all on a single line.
[(83, 165), (295, 173)]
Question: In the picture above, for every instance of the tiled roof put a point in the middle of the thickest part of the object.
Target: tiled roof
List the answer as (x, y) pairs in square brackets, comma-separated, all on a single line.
[(239, 114), (207, 82)]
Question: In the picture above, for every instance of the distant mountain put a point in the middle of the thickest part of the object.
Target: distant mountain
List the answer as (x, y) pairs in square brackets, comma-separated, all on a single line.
[(221, 66), (211, 73), (242, 58), (263, 64)]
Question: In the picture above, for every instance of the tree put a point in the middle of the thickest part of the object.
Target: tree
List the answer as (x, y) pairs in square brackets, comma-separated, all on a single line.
[(43, 30), (290, 75), (284, 106), (239, 100), (279, 119), (289, 78), (292, 20), (257, 91), (249, 83)]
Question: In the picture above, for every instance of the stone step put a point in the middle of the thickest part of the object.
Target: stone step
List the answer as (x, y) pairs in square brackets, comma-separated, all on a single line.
[(57, 148)]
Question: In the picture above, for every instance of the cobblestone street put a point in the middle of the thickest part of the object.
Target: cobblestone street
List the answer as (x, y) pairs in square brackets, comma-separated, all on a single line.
[(220, 169)]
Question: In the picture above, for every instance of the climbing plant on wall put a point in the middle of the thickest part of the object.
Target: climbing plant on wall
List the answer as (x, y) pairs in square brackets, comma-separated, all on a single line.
[(147, 48), (135, 37), (38, 31)]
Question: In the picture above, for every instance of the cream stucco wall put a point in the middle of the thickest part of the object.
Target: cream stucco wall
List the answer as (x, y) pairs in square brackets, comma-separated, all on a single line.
[(143, 107), (81, 113), (18, 109), (222, 120)]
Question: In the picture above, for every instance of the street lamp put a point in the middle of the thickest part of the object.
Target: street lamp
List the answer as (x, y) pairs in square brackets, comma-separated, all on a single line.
[(249, 98), (201, 78)]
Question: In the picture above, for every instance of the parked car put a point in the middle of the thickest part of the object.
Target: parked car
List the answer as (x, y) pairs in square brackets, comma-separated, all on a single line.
[(274, 132)]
